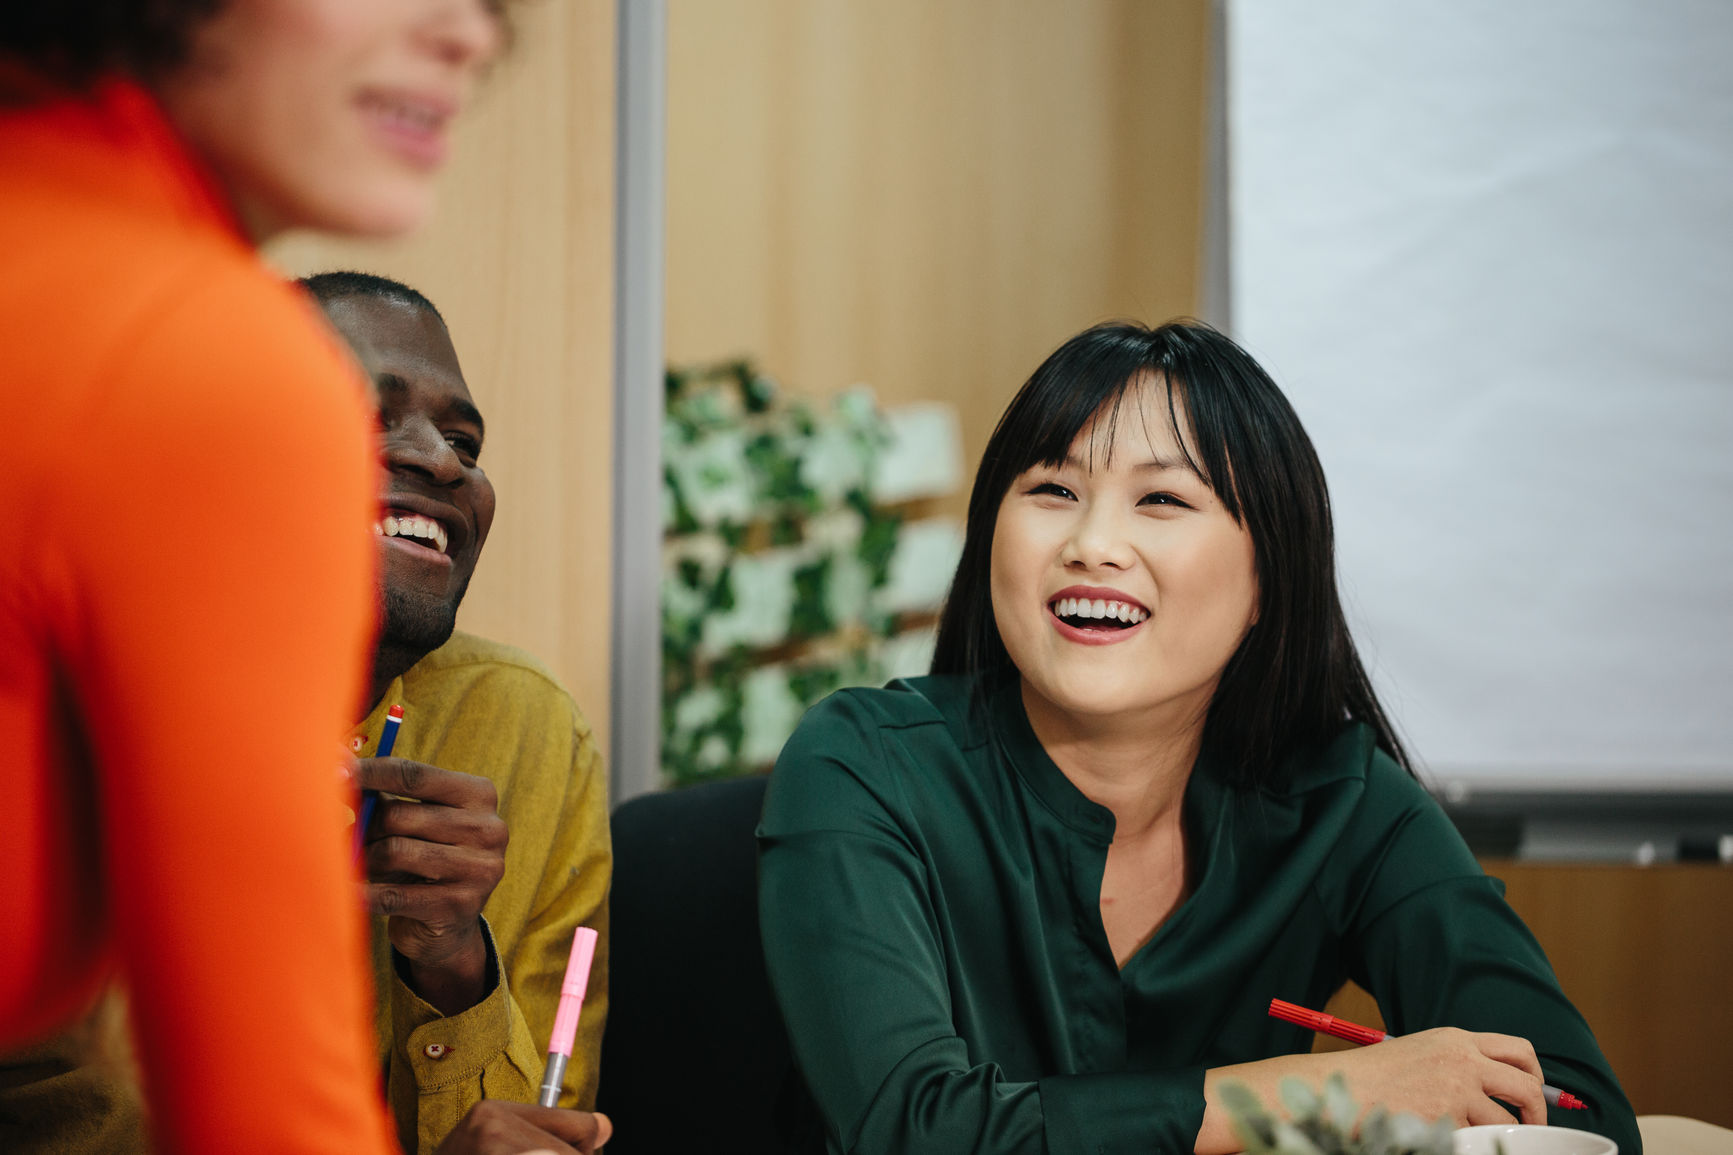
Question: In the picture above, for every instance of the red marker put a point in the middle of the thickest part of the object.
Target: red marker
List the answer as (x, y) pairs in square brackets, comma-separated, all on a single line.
[(1355, 1033)]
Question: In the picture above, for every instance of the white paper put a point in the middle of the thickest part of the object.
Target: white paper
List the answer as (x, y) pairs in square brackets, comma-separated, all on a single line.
[(1487, 250)]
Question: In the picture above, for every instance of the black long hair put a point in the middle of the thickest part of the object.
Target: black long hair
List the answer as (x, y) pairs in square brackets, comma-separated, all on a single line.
[(1296, 678)]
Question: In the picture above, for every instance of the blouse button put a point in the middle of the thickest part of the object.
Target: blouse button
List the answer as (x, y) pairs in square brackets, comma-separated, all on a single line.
[(434, 1050)]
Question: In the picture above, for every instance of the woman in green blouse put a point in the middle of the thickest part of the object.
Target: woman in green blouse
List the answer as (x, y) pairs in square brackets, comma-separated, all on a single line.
[(1040, 900)]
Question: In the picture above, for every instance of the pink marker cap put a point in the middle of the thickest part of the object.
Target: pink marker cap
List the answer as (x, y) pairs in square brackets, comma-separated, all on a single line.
[(572, 989)]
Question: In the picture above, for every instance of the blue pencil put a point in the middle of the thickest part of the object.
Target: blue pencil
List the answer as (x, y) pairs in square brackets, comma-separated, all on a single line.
[(370, 798)]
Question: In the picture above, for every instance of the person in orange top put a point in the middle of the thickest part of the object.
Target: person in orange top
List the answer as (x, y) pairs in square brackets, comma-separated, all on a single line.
[(186, 530)]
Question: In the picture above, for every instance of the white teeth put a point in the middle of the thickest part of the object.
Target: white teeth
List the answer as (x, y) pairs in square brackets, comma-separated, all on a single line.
[(413, 525), (1099, 608)]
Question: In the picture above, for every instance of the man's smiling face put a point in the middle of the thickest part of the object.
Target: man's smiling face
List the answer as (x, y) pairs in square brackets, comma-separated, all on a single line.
[(436, 504)]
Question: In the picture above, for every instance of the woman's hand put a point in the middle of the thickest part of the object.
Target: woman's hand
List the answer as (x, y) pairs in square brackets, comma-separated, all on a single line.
[(1442, 1072)]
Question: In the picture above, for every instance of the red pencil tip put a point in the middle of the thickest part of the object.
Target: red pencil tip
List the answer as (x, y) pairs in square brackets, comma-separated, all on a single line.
[(395, 712), (1570, 1102)]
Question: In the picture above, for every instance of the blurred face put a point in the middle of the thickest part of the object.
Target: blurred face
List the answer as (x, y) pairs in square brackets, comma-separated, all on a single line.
[(329, 114), (1120, 583), (436, 504)]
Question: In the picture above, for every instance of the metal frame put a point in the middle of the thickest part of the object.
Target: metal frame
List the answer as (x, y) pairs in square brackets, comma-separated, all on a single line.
[(635, 699)]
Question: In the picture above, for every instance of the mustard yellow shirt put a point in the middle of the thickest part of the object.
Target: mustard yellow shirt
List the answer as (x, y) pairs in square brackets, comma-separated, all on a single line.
[(488, 709)]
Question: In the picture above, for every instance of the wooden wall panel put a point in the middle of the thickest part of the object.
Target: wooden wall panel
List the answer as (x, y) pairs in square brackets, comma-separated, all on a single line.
[(520, 262), (1646, 954), (928, 197)]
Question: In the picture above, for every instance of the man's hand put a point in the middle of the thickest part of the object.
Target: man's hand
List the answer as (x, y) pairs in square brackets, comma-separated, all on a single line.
[(431, 865), (498, 1127)]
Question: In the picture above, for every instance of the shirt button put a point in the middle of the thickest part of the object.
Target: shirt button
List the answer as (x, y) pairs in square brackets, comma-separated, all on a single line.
[(434, 1050)]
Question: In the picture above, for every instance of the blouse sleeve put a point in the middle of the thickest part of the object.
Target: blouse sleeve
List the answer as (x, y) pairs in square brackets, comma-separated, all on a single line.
[(855, 958), (212, 531), (1431, 937)]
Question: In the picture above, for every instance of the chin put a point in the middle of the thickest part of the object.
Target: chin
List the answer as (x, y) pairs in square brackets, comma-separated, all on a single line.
[(383, 207), (416, 625)]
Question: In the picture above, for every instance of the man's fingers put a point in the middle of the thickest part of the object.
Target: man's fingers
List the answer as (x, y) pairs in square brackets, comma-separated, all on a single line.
[(395, 900), (433, 861), (439, 823), (585, 1130), (426, 783), (427, 903)]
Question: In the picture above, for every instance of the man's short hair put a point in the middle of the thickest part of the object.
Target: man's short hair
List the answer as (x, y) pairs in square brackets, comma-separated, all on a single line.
[(333, 286)]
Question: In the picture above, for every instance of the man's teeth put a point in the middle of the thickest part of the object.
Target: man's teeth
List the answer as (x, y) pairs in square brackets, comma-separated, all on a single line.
[(412, 525), (1099, 608)]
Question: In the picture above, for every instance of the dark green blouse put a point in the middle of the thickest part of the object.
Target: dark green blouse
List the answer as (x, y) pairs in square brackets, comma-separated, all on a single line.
[(929, 896)]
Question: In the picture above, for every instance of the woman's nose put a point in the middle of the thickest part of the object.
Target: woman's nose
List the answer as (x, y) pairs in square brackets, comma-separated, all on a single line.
[(467, 33), (1098, 538)]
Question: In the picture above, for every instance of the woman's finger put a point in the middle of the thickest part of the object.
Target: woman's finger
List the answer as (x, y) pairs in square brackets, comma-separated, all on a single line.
[(1516, 1087), (1486, 1111), (1511, 1049)]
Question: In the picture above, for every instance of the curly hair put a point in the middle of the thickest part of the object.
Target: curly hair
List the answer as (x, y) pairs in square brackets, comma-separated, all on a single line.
[(72, 43)]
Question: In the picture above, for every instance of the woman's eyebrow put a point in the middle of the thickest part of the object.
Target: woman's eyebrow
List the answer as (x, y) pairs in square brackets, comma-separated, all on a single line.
[(1156, 464)]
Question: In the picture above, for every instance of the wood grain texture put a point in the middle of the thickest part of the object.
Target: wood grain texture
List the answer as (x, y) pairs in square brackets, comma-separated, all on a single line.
[(1646, 954), (520, 261), (928, 197)]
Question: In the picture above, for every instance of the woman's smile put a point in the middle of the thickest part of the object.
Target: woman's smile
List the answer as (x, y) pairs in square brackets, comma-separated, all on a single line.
[(1096, 616)]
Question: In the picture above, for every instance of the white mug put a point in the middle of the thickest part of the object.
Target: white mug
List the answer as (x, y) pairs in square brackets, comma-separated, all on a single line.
[(1528, 1139)]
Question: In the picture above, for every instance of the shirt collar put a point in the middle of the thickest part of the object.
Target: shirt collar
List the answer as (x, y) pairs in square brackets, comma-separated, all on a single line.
[(366, 734), (118, 134), (1206, 812)]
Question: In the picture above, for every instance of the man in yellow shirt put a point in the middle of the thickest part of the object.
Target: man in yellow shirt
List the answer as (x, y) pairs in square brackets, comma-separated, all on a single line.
[(473, 930)]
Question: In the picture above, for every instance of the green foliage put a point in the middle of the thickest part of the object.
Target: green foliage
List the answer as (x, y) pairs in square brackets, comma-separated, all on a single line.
[(1324, 1124), (770, 535)]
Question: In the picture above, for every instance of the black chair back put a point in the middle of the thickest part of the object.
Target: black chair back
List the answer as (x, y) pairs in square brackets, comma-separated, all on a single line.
[(695, 1058)]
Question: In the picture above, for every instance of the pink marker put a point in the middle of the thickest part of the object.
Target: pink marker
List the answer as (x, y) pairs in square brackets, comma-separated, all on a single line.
[(572, 990)]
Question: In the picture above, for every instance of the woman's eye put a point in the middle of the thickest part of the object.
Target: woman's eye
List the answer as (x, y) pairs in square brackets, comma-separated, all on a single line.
[(1052, 489), (1163, 499)]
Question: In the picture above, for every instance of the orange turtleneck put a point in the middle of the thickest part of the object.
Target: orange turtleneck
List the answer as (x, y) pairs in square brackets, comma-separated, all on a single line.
[(185, 614)]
